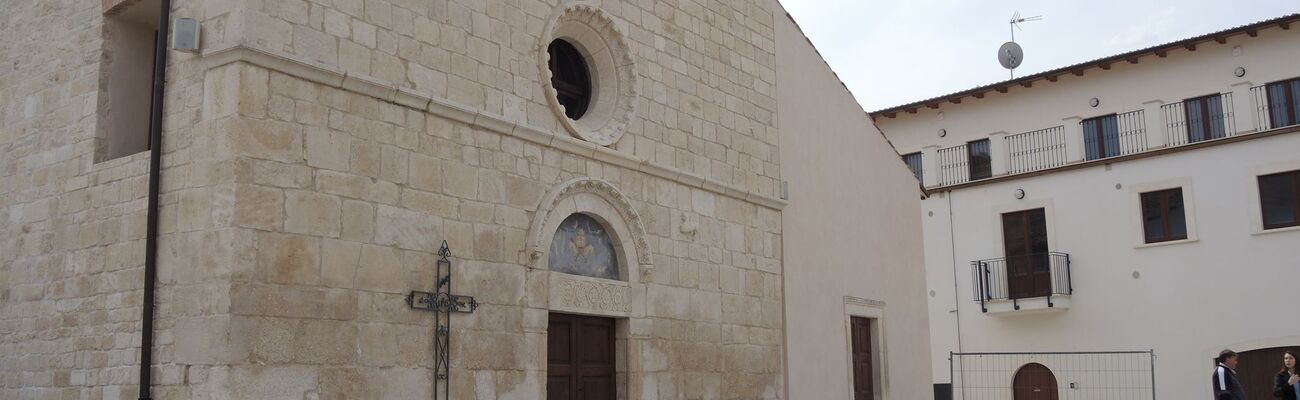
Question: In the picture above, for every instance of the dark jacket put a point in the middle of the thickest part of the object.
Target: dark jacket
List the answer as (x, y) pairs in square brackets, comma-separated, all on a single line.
[(1226, 386), (1281, 389)]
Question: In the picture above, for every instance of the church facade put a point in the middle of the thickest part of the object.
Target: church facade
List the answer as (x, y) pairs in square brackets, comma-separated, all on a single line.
[(446, 199)]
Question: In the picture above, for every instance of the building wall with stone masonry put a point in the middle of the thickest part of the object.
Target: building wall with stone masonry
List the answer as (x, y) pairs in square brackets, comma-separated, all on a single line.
[(706, 89), (316, 155), (297, 213), (72, 230), (347, 205)]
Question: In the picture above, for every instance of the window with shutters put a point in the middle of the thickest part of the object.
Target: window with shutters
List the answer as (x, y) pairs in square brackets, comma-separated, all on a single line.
[(1101, 137), (913, 162), (981, 160)]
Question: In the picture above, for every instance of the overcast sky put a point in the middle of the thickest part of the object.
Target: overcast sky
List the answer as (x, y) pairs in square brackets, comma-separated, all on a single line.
[(895, 52)]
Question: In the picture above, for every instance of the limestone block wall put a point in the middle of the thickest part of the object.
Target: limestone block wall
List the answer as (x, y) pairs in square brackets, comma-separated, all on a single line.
[(706, 89), (345, 200), (300, 206), (72, 229)]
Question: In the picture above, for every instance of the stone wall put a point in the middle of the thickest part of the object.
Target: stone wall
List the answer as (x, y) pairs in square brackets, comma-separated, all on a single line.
[(707, 83), (301, 202), (72, 230)]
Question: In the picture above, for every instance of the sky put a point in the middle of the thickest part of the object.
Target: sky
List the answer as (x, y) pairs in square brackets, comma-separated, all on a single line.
[(896, 52)]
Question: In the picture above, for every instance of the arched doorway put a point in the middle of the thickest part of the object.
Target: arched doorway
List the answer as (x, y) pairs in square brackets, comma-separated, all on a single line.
[(1034, 382), (1256, 368)]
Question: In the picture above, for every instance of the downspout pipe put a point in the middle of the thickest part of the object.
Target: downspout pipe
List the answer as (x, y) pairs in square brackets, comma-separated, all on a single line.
[(155, 175)]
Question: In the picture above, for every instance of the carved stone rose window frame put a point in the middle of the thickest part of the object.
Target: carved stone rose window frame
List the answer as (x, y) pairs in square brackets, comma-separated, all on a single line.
[(601, 40)]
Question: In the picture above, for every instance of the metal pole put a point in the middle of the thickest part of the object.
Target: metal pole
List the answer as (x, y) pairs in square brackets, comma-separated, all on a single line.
[(1153, 374), (951, 381), (151, 223)]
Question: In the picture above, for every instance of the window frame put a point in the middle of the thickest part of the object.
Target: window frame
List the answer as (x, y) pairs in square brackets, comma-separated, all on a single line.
[(985, 166), (1295, 200), (1164, 199), (1136, 227), (1291, 102), (571, 77), (1207, 120), (1101, 137), (919, 171)]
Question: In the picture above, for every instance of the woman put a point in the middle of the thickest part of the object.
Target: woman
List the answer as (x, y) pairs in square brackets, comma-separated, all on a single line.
[(1287, 382)]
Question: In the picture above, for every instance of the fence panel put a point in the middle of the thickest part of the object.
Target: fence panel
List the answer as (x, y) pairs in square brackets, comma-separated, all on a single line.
[(1117, 375)]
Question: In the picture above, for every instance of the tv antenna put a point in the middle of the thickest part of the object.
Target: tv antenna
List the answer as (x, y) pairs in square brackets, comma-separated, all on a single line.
[(1010, 55)]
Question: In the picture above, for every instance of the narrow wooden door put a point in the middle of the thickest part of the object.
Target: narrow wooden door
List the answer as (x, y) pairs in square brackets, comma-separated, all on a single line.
[(580, 358), (1024, 235), (863, 376), (1034, 382)]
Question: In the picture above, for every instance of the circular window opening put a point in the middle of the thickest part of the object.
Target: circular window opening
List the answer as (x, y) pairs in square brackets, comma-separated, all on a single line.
[(570, 77), (587, 74)]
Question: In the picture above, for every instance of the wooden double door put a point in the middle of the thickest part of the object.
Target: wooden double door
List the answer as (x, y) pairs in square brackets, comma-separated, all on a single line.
[(580, 358), (1029, 272)]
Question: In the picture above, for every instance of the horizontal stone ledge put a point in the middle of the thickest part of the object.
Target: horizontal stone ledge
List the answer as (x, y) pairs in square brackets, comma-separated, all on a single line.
[(393, 93)]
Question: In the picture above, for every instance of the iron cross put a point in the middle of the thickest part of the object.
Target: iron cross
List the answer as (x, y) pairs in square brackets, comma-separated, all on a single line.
[(442, 303)]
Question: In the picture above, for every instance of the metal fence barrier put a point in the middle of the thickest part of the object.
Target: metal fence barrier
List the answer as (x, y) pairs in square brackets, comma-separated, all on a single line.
[(1115, 375)]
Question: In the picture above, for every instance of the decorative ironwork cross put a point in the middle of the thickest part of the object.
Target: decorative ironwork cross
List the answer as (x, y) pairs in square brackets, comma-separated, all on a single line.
[(442, 303)]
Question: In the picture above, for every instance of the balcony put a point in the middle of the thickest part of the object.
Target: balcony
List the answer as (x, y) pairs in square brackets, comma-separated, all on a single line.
[(1024, 283), (1199, 119), (1153, 126), (1275, 106), (1035, 150)]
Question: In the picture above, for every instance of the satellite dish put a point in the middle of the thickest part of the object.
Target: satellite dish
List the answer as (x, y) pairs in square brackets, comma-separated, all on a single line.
[(1010, 55)]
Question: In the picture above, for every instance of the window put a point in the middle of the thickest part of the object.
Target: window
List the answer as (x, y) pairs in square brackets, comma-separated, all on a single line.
[(126, 79), (1279, 199), (570, 77), (913, 162), (981, 165), (1205, 118), (1284, 103), (1101, 137), (1163, 216)]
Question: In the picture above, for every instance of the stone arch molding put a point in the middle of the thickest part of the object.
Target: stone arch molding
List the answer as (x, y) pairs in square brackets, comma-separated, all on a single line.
[(604, 202), (602, 41)]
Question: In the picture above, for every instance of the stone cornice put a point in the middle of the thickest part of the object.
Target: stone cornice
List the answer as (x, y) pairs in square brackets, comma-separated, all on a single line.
[(390, 92)]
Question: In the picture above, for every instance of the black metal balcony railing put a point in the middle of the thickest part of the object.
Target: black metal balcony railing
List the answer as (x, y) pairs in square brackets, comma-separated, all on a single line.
[(1035, 150), (1022, 277), (1274, 108), (1199, 119)]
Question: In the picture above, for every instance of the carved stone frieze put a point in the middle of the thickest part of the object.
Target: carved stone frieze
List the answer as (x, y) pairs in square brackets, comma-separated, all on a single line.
[(589, 295)]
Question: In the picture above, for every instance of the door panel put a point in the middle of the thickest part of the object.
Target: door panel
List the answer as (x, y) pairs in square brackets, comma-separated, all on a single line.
[(580, 358), (863, 375), (1256, 369), (1034, 382), (1024, 236)]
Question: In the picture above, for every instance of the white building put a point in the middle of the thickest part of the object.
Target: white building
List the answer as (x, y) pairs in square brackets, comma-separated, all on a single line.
[(1143, 202)]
